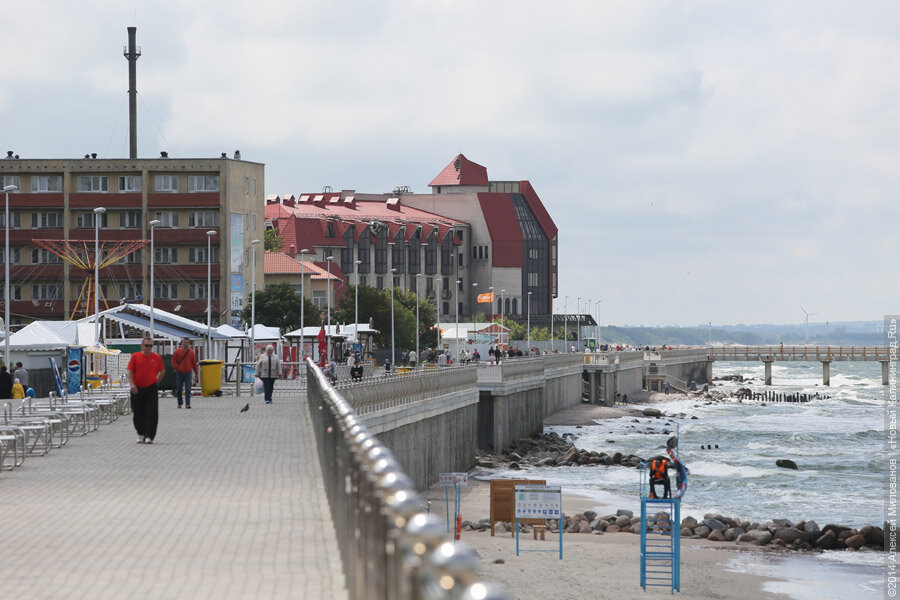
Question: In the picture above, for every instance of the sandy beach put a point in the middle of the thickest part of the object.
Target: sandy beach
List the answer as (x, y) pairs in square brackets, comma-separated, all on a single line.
[(608, 565)]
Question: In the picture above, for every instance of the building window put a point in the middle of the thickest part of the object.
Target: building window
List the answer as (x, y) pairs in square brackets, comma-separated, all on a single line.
[(41, 184), (130, 183), (363, 280), (131, 259), (14, 253), (319, 299), (46, 291), (532, 280), (129, 291), (15, 219), (379, 282), (486, 252), (445, 308), (46, 220), (254, 218), (85, 219), (166, 255), (203, 183), (459, 258), (165, 183), (166, 218), (199, 255), (254, 189), (6, 180), (246, 185), (165, 291), (129, 219), (533, 253), (203, 218), (396, 282), (92, 183), (197, 291), (15, 292)]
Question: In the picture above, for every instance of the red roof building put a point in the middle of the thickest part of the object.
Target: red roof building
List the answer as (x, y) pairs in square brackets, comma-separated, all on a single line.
[(468, 236)]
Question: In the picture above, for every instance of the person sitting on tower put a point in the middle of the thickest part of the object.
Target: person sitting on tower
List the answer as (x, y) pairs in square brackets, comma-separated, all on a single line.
[(659, 474)]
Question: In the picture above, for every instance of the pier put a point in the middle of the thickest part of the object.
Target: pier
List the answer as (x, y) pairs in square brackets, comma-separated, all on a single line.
[(823, 354)]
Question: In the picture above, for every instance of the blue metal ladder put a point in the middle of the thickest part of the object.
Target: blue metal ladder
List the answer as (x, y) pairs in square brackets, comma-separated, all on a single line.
[(661, 543)]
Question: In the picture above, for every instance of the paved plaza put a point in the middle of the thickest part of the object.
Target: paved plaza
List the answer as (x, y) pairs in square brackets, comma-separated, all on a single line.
[(223, 504)]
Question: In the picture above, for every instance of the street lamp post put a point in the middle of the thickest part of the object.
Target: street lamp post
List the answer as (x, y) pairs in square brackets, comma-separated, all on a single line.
[(566, 325), (458, 283), (356, 264), (329, 260), (501, 318), (97, 212), (552, 339), (529, 322), (578, 325), (393, 346), (153, 225), (302, 301), (599, 330), (418, 285), (7, 189), (253, 243), (474, 308), (209, 236), (437, 309), (491, 292), (588, 307)]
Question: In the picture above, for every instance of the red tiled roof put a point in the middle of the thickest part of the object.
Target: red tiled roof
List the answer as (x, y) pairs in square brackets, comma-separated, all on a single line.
[(279, 263), (503, 225), (461, 171)]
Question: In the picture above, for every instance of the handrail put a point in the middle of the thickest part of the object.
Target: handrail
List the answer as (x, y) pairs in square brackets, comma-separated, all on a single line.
[(391, 548), (800, 353)]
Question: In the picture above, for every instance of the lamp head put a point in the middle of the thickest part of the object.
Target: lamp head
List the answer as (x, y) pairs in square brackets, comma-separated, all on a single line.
[(211, 233), (99, 210), (254, 242), (155, 222), (10, 188)]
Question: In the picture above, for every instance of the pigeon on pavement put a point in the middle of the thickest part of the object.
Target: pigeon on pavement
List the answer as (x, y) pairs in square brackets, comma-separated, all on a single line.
[(246, 408)]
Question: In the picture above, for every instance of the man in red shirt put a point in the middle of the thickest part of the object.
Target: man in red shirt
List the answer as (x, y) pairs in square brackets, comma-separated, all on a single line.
[(184, 361), (145, 371)]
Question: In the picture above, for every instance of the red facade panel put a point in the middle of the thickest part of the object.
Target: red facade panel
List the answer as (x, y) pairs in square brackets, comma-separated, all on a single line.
[(38, 310), (194, 200), (105, 234), (120, 272), (164, 273), (503, 225), (19, 273), (23, 236), (184, 236), (93, 200), (36, 200)]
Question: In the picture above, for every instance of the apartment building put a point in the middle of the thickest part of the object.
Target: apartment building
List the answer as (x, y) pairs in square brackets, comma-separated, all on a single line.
[(53, 206)]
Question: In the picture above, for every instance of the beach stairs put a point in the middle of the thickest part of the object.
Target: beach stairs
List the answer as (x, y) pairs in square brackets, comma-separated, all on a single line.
[(677, 384), (661, 543)]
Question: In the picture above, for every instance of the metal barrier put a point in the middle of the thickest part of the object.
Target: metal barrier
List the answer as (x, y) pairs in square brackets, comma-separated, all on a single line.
[(391, 548)]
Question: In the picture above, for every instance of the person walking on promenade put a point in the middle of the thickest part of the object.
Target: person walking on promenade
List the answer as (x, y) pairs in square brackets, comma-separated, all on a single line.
[(145, 371), (413, 358), (6, 383), (184, 361), (268, 368), (22, 374)]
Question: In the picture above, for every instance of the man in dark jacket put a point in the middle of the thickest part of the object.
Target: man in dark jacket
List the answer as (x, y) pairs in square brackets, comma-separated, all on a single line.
[(5, 384)]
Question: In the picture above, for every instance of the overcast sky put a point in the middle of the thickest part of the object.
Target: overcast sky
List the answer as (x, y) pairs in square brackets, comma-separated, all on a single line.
[(703, 160)]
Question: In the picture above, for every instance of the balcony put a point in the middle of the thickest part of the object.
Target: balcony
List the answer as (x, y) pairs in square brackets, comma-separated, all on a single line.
[(36, 309), (94, 199), (19, 273), (182, 200), (49, 200), (185, 236), (181, 272), (25, 236)]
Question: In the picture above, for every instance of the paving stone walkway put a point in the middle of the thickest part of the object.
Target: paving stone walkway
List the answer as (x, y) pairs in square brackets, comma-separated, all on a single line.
[(222, 505)]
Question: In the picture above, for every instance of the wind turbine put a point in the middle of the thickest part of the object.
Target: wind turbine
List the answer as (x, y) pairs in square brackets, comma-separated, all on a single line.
[(807, 315)]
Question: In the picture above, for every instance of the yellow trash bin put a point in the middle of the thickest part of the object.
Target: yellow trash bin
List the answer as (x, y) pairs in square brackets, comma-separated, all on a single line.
[(211, 377)]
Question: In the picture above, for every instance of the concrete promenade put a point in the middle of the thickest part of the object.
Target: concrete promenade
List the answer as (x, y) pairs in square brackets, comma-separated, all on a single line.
[(221, 505)]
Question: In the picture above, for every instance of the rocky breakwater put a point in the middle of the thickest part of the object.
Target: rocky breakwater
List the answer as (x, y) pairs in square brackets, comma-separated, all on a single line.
[(776, 535), (553, 450)]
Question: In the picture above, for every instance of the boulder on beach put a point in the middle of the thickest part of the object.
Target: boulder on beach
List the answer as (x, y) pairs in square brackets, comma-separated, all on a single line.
[(785, 463), (760, 537), (874, 535), (715, 536), (714, 524), (827, 541), (855, 541), (790, 534), (702, 530), (733, 533), (688, 522), (652, 412)]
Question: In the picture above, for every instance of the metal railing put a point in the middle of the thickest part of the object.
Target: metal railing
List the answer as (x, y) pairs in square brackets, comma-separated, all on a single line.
[(800, 353), (391, 548)]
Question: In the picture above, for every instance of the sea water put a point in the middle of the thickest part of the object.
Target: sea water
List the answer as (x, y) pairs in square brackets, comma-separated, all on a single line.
[(837, 442)]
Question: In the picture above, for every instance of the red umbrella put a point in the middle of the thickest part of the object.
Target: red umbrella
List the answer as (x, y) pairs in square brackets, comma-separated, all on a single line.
[(323, 347)]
